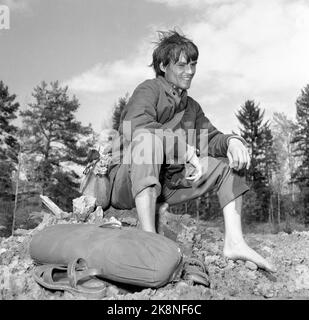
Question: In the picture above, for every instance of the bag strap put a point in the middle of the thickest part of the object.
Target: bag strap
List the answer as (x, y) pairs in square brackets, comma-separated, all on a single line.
[(78, 270), (174, 121)]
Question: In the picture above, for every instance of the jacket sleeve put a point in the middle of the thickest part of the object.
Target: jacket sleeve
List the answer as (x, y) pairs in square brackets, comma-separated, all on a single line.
[(141, 115), (210, 141)]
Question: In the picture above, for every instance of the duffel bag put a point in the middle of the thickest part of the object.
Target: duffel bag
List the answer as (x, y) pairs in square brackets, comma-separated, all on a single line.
[(125, 255)]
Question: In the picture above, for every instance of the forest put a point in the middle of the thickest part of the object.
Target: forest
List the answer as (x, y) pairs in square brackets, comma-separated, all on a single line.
[(46, 153)]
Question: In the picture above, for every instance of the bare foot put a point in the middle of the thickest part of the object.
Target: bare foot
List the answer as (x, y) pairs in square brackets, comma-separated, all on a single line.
[(162, 207), (241, 251)]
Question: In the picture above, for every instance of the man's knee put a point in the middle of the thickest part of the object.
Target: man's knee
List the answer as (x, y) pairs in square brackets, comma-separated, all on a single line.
[(147, 148)]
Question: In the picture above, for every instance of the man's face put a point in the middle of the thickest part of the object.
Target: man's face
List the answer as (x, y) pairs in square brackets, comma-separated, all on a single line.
[(180, 73)]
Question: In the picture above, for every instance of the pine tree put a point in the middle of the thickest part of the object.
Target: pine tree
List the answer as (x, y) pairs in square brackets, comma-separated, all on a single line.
[(118, 108), (263, 159), (301, 141), (8, 138), (56, 141), (251, 118)]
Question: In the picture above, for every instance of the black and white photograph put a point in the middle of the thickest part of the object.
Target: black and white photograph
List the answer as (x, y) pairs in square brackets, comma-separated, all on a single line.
[(154, 150)]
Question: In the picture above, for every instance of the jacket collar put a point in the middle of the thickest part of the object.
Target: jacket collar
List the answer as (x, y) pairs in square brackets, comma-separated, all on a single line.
[(179, 97)]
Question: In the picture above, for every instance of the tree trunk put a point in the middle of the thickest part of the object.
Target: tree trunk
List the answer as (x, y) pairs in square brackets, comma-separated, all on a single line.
[(198, 201), (279, 211), (291, 170), (293, 200), (16, 194), (271, 215), (287, 221), (270, 212)]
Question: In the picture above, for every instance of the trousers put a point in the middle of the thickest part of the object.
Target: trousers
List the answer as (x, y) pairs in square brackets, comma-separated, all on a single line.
[(147, 168)]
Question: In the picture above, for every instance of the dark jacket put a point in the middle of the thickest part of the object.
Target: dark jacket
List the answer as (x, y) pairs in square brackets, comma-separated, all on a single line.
[(154, 103)]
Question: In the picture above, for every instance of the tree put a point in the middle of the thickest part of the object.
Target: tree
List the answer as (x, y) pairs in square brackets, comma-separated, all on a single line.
[(263, 159), (301, 151), (283, 130), (8, 138), (9, 147), (56, 141), (118, 108)]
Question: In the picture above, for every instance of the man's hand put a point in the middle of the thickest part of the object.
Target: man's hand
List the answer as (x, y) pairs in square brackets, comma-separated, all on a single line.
[(192, 158), (238, 155)]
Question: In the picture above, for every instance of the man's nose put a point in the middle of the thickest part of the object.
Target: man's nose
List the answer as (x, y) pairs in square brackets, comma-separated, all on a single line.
[(189, 69)]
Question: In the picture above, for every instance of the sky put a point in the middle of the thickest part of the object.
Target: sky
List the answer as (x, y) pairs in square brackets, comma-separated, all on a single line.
[(101, 49)]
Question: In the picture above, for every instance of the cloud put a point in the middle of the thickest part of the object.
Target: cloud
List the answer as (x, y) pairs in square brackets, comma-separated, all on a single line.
[(248, 50), (100, 87), (196, 4), (16, 4), (251, 50), (109, 77)]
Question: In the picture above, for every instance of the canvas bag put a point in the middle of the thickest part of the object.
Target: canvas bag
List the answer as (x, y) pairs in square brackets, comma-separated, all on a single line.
[(125, 255), (97, 186)]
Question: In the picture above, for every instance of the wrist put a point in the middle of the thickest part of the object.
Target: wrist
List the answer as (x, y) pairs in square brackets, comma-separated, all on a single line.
[(237, 138), (190, 153)]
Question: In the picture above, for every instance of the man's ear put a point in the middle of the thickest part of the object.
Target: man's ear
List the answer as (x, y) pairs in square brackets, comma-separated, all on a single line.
[(162, 68)]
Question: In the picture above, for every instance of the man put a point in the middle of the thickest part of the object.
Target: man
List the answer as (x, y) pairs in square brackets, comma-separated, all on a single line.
[(178, 171)]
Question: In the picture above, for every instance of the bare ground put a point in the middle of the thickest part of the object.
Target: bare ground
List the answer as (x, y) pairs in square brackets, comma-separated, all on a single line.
[(229, 280)]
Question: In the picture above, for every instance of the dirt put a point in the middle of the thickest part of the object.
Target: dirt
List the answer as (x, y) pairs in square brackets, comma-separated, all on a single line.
[(228, 279)]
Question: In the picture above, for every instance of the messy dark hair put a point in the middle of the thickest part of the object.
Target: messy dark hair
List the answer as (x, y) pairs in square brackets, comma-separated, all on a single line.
[(168, 49)]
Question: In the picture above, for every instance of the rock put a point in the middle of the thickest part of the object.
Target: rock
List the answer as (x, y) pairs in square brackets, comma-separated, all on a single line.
[(252, 275), (266, 248), (69, 296), (186, 234), (221, 263), (212, 260), (83, 206), (112, 291), (265, 290), (269, 294), (114, 220), (233, 291), (186, 248), (96, 216), (181, 286), (48, 220), (197, 237), (302, 277), (21, 232), (250, 265), (213, 249), (129, 221), (230, 264)]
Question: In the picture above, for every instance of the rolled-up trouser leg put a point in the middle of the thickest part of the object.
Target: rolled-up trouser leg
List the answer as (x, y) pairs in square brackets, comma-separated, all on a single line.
[(143, 171), (216, 175)]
